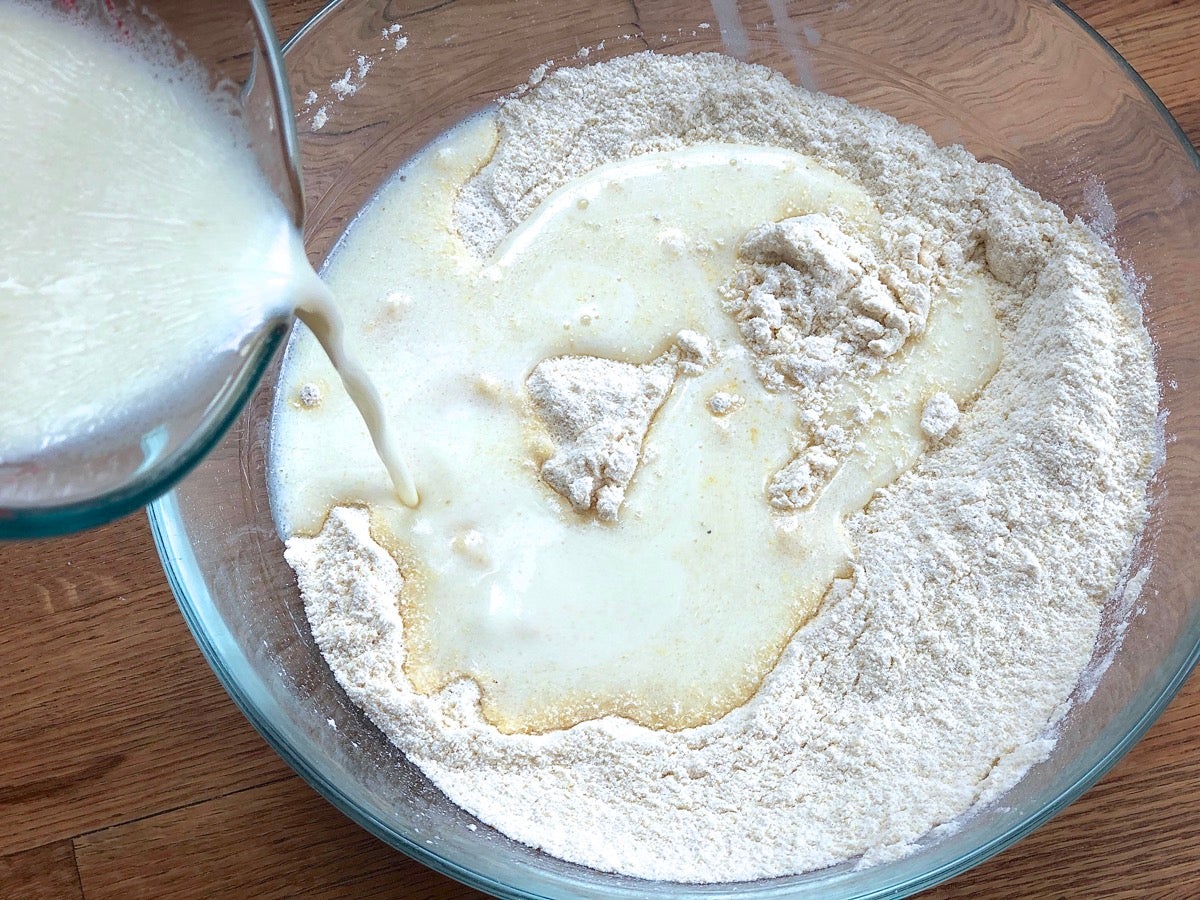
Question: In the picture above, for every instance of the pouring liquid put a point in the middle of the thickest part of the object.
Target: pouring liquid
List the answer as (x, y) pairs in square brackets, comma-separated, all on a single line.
[(324, 320), (142, 253)]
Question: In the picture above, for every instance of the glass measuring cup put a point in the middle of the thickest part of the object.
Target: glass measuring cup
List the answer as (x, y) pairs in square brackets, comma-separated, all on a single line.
[(81, 481)]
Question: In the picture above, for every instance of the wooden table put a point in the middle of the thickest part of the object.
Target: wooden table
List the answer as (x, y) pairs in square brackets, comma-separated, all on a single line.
[(125, 770)]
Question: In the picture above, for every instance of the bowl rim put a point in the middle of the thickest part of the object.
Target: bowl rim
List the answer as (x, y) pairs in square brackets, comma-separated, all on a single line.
[(174, 551)]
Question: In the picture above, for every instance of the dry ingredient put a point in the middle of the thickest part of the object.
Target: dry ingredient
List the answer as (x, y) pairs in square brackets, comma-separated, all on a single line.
[(354, 77), (597, 412), (930, 678)]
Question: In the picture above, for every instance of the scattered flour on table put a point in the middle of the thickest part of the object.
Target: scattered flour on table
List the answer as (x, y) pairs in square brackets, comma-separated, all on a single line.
[(355, 75), (926, 682)]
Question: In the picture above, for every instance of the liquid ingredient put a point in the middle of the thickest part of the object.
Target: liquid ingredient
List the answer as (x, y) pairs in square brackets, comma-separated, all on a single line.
[(874, 369), (324, 321), (556, 619), (141, 249)]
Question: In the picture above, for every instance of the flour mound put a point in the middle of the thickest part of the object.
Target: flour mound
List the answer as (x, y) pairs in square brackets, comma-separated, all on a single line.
[(816, 306), (813, 304), (796, 485), (597, 412), (940, 416)]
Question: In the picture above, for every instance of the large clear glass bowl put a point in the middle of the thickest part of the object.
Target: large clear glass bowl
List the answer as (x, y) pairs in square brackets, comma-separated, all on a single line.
[(1024, 84)]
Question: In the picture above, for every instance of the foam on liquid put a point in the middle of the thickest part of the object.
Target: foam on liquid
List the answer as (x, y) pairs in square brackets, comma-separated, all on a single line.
[(673, 616)]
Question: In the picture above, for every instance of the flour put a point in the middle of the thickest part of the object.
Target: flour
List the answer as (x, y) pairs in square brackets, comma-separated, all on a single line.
[(814, 306), (940, 416), (722, 403), (795, 486), (310, 396), (597, 412), (927, 681), (354, 77)]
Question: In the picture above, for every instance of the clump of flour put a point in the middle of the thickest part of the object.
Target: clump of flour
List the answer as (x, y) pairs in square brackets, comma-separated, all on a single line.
[(797, 484), (940, 416), (814, 303), (816, 307), (597, 412), (926, 682)]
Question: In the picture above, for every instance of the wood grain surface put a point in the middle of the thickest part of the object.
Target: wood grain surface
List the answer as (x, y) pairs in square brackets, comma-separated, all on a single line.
[(125, 770)]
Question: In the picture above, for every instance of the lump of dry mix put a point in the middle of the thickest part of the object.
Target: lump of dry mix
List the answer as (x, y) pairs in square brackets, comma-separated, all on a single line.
[(597, 412), (814, 303)]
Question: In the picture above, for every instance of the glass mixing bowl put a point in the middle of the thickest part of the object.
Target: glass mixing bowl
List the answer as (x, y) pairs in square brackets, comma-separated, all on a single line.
[(1023, 84), (85, 481)]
